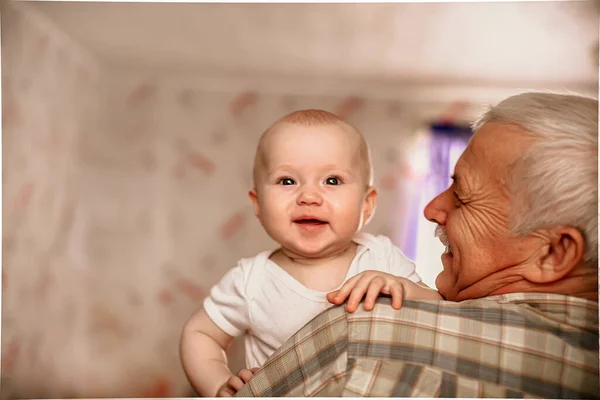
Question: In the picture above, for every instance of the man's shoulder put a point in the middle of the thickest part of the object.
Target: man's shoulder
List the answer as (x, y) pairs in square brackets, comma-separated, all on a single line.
[(523, 310), (478, 348), (493, 340)]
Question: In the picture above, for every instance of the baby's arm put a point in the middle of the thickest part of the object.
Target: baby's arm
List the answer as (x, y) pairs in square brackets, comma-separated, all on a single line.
[(209, 332), (369, 284), (419, 291), (202, 351)]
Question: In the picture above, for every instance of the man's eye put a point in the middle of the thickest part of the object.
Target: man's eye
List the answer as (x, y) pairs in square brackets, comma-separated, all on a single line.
[(332, 181), (458, 198), (286, 181)]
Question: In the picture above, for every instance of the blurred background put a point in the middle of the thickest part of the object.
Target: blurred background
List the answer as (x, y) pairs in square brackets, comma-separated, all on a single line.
[(129, 132)]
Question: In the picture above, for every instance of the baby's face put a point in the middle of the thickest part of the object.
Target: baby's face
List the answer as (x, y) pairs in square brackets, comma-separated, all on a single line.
[(310, 190)]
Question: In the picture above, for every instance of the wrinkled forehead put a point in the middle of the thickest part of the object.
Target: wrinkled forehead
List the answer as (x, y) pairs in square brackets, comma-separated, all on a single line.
[(492, 151), (502, 141)]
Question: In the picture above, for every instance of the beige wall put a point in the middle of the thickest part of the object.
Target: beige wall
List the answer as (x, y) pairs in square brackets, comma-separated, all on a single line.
[(125, 199), (49, 100)]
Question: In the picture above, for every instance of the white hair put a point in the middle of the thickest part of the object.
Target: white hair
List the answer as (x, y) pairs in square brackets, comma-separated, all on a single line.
[(556, 180)]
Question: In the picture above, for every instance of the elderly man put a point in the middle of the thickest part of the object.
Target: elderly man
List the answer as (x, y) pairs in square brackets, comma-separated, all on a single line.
[(520, 278)]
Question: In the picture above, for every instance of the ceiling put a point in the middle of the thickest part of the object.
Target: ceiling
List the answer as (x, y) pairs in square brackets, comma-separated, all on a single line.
[(510, 43)]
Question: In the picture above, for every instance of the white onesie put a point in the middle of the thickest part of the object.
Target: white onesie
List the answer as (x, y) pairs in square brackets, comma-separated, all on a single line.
[(261, 300)]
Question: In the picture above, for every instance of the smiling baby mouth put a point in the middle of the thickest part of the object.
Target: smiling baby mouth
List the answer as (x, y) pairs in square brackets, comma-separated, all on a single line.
[(309, 221)]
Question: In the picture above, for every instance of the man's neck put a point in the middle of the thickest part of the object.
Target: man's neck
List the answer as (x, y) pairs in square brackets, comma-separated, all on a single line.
[(581, 282)]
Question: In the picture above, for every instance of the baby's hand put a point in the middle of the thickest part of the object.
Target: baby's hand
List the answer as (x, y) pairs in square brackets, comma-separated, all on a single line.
[(236, 382), (372, 283)]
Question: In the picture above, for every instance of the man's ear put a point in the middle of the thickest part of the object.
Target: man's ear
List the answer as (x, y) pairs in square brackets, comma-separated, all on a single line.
[(562, 252), (370, 205), (255, 204)]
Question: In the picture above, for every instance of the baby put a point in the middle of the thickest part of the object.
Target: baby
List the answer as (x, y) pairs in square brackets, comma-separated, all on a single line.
[(312, 194)]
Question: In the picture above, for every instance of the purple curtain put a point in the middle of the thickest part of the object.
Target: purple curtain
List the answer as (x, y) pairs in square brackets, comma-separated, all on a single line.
[(445, 144)]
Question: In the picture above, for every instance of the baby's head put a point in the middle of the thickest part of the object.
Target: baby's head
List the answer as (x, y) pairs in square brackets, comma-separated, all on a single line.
[(312, 182), (314, 119)]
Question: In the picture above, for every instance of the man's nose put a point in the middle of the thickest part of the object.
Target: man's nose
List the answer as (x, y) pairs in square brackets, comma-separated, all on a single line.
[(436, 210)]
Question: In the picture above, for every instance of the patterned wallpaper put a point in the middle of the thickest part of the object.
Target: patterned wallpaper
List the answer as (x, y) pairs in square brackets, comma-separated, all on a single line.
[(49, 99), (125, 200)]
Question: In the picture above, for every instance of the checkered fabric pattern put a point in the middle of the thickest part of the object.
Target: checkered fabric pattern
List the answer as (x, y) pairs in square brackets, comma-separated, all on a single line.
[(515, 345)]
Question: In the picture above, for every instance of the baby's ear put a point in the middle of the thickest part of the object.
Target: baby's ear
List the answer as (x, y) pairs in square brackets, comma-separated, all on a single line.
[(370, 205), (255, 204)]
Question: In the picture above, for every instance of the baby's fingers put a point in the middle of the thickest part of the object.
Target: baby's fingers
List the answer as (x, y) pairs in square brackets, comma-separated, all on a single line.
[(340, 295), (245, 374), (372, 292), (357, 294), (332, 297), (229, 388), (236, 383), (397, 293)]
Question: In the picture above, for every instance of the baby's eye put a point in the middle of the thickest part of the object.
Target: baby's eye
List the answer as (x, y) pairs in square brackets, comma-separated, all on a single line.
[(332, 181), (286, 181)]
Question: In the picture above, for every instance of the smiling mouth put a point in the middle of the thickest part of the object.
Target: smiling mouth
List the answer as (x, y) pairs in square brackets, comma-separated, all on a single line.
[(309, 221), (448, 250), (440, 233)]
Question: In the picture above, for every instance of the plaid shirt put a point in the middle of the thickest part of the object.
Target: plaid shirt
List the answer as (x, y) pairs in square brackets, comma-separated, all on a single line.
[(515, 345)]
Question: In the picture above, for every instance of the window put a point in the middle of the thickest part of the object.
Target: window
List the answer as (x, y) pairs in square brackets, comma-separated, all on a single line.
[(430, 165)]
